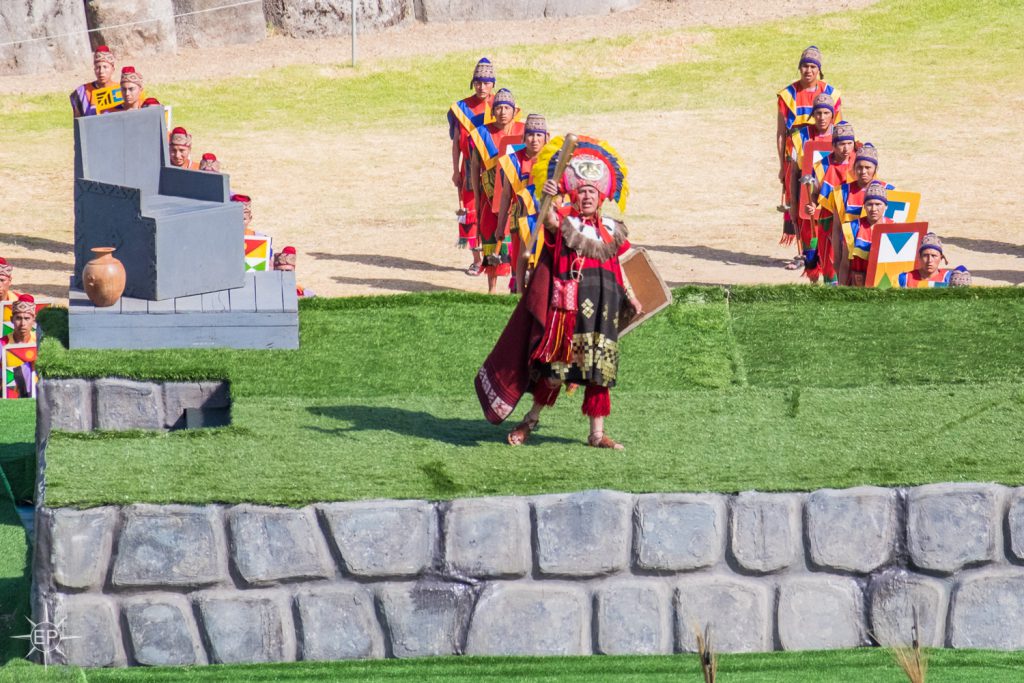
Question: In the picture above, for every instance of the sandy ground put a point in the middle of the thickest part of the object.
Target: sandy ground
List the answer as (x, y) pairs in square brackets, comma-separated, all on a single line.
[(703, 206)]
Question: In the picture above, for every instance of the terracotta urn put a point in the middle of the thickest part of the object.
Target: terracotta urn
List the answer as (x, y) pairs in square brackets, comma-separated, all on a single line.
[(103, 277)]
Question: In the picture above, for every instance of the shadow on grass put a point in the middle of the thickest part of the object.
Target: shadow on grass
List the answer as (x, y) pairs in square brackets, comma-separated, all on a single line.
[(454, 431), (391, 284), (384, 261), (1014, 277), (725, 256), (37, 243), (985, 246)]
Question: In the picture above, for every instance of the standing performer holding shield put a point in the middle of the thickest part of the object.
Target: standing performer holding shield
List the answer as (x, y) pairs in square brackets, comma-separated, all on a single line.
[(565, 329)]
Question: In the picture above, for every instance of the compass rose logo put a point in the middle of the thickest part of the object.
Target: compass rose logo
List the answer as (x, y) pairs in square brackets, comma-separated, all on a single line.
[(46, 637)]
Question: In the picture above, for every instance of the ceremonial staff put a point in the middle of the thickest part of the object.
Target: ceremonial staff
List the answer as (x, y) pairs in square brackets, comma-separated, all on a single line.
[(564, 155)]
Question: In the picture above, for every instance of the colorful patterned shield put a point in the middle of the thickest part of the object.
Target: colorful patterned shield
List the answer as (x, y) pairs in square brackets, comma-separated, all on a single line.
[(258, 253), (902, 207), (893, 251)]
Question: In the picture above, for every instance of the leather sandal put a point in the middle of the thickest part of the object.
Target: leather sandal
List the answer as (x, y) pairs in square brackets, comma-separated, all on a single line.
[(521, 432), (604, 441)]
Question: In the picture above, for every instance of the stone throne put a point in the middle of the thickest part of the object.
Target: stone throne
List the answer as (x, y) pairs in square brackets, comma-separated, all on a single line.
[(181, 240), (177, 232)]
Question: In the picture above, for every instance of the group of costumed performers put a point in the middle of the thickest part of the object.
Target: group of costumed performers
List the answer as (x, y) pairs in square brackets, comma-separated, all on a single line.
[(22, 319), (493, 150), (132, 84), (845, 196), (796, 111), (565, 330)]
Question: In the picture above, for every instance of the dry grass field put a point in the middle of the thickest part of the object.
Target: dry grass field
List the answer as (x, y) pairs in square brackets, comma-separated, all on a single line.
[(351, 165)]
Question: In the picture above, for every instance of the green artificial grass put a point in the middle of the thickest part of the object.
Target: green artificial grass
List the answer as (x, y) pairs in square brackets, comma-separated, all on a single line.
[(849, 666), (932, 42), (773, 388), (17, 447), (15, 579)]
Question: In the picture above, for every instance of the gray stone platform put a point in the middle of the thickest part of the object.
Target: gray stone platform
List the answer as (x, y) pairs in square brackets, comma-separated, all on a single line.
[(568, 574), (262, 314)]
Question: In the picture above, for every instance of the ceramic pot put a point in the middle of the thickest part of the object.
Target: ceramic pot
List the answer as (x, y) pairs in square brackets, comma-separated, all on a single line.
[(103, 277)]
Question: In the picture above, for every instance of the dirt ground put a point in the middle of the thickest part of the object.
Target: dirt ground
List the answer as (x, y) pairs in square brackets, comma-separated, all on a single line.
[(704, 221)]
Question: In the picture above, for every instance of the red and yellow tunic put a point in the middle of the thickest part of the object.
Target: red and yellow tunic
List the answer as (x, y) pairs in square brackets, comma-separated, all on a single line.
[(491, 142), (860, 250), (913, 280), (465, 116)]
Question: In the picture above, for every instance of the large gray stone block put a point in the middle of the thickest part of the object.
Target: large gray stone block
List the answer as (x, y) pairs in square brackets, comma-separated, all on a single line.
[(123, 404), (426, 618), (820, 613), (1015, 522), (274, 544), (390, 538), (179, 396), (634, 617), (488, 537), (176, 230), (80, 543), (527, 618), (737, 610), (950, 526), (150, 25), (65, 404), (90, 632), (229, 26), (338, 622), (766, 534), (254, 626), (51, 36), (162, 631), (319, 18), (583, 534), (896, 596), (988, 611), (170, 545), (679, 531), (851, 530)]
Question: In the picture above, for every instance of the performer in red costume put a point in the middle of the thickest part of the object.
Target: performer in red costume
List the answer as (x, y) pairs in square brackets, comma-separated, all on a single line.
[(796, 110), (565, 329), (490, 143), (465, 116)]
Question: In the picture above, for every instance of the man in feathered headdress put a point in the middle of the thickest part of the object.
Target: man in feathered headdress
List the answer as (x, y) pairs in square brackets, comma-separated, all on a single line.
[(463, 117), (565, 329)]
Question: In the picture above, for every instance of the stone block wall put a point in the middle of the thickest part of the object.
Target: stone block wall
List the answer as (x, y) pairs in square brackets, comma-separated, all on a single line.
[(115, 404), (591, 572), (134, 27)]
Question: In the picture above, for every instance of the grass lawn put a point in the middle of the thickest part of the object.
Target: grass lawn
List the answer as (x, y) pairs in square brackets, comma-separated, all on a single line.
[(851, 666), (921, 39), (17, 446), (790, 388)]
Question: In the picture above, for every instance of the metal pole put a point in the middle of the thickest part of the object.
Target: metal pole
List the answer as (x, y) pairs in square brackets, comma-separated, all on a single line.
[(353, 33)]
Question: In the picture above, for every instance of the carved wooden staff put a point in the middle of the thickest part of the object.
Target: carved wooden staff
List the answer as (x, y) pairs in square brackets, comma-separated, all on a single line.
[(545, 204)]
